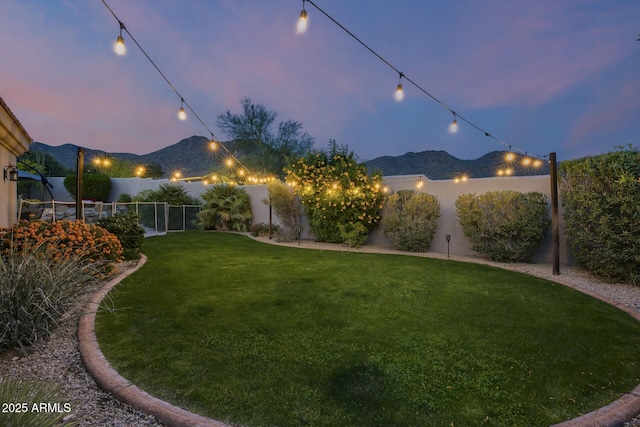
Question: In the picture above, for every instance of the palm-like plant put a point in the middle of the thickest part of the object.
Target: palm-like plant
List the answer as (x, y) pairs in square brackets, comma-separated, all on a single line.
[(226, 208)]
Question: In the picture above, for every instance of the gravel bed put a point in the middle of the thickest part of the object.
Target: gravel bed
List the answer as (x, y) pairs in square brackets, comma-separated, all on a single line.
[(58, 360)]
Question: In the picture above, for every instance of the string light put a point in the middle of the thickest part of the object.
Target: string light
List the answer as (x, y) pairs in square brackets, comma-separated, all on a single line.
[(182, 115), (303, 20), (118, 47), (399, 92), (453, 127), (417, 86)]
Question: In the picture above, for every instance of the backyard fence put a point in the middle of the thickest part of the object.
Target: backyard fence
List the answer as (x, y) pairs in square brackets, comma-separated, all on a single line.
[(157, 218)]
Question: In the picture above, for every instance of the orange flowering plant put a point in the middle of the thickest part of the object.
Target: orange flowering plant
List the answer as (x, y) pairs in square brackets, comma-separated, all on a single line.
[(62, 240), (341, 200)]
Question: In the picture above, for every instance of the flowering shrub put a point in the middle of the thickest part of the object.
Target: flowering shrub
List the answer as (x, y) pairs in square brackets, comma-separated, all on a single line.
[(341, 200), (62, 240)]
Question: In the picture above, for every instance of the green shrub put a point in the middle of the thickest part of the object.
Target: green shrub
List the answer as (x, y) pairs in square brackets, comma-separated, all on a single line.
[(336, 191), (125, 227), (287, 207), (173, 194), (410, 220), (227, 207), (125, 198), (96, 186), (29, 393), (504, 225), (35, 291), (261, 229), (601, 197)]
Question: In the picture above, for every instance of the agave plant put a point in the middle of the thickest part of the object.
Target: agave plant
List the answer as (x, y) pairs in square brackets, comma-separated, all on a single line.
[(226, 208)]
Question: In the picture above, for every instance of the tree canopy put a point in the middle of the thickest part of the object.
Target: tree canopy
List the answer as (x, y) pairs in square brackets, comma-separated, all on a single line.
[(260, 146)]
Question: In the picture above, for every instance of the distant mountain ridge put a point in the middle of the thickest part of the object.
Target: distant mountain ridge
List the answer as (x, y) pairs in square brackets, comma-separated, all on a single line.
[(193, 157)]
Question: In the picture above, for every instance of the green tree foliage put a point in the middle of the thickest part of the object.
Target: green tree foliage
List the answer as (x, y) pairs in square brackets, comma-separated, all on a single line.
[(504, 225), (601, 197), (341, 200), (173, 194), (261, 149), (287, 207), (125, 227), (227, 207), (44, 162), (96, 186), (411, 219)]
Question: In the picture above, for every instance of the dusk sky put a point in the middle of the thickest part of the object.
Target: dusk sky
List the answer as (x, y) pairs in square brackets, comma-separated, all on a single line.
[(543, 76)]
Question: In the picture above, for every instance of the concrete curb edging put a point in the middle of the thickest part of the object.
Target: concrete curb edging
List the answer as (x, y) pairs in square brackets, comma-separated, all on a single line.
[(111, 381), (107, 378)]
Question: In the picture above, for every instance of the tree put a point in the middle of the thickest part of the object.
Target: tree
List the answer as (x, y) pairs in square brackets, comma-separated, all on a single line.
[(260, 148), (173, 194), (227, 208)]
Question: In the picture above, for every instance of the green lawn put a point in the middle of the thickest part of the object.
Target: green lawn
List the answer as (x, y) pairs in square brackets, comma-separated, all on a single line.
[(262, 335)]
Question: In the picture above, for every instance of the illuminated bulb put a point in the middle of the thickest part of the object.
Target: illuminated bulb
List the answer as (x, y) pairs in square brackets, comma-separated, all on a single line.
[(509, 157), (464, 178), (456, 180), (119, 47), (537, 163), (526, 161), (241, 172), (214, 177), (302, 21), (182, 115), (453, 127), (419, 184), (508, 171), (177, 175), (205, 182), (399, 93), (213, 145), (229, 162)]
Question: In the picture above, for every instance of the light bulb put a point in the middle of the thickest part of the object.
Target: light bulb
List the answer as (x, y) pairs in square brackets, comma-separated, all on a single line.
[(213, 145), (399, 93), (118, 47), (526, 161), (453, 127), (229, 162), (182, 115), (537, 163), (510, 157), (302, 22)]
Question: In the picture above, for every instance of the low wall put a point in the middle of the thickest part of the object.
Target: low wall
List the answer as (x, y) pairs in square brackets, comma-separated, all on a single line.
[(447, 191)]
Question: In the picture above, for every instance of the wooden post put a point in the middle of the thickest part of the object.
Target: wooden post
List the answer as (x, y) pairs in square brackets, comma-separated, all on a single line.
[(555, 237), (79, 182)]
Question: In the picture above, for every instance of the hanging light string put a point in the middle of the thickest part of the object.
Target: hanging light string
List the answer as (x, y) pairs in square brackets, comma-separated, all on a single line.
[(183, 102), (417, 86)]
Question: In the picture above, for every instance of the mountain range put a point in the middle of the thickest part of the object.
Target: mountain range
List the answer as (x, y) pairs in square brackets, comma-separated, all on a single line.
[(194, 157)]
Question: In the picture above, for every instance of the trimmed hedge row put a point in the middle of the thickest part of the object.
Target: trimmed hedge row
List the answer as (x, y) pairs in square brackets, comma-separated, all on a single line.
[(601, 197)]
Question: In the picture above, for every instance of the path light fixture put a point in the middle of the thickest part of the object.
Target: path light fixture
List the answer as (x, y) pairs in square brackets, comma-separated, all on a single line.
[(448, 236)]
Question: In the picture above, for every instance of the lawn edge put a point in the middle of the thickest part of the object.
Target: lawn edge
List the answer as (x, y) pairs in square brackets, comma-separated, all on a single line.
[(112, 382), (107, 378)]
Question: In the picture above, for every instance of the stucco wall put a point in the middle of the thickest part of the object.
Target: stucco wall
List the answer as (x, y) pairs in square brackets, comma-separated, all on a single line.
[(447, 191)]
